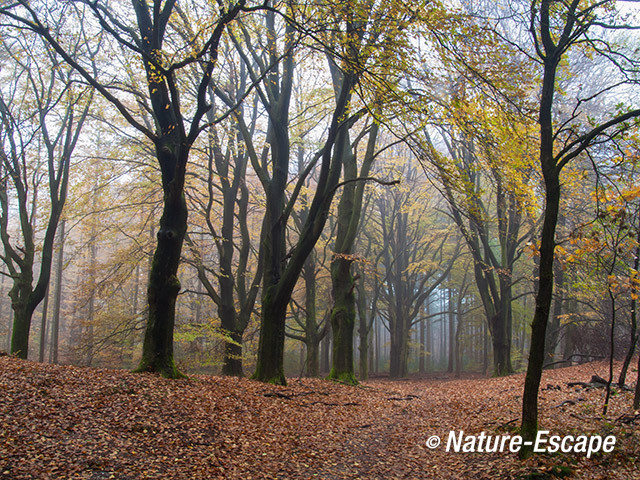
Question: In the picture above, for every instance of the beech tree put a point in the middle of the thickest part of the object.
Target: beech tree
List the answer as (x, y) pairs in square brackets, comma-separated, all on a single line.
[(486, 181), (416, 256), (42, 114), (152, 38)]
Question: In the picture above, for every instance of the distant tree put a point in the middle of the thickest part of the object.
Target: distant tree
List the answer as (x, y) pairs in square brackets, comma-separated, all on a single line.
[(417, 254)]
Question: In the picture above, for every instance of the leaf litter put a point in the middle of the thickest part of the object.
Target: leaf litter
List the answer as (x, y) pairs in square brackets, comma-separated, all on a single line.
[(65, 422)]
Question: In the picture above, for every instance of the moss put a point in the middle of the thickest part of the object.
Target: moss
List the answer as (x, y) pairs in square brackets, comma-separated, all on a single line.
[(347, 378), (528, 433), (168, 369)]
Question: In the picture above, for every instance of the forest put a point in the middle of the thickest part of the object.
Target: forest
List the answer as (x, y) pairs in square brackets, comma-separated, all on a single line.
[(328, 205)]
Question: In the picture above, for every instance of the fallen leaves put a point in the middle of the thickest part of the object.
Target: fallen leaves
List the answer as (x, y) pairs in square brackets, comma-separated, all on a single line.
[(63, 422)]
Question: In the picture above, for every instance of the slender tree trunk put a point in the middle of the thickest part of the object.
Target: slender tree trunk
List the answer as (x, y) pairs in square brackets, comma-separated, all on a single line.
[(607, 396), (543, 304), (57, 297), (312, 339), (636, 396), (44, 327), (429, 346), (452, 333), (634, 318), (421, 360), (326, 348), (554, 326), (364, 327)]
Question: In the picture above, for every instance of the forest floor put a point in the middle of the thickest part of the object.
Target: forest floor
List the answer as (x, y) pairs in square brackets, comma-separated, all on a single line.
[(62, 422)]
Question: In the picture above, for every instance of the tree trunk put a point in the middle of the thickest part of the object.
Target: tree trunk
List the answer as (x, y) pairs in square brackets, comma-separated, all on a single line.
[(553, 331), (57, 297), (270, 363), (636, 396), (312, 359), (399, 348), (44, 326), (164, 286), (634, 317), (451, 333), (312, 339), (326, 347), (342, 320), (22, 314), (543, 304), (232, 365), (501, 348)]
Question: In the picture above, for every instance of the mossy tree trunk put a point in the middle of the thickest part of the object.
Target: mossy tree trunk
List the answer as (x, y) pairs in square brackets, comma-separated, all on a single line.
[(343, 316), (281, 270)]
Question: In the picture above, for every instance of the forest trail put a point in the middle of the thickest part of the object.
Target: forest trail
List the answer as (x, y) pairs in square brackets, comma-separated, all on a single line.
[(63, 422)]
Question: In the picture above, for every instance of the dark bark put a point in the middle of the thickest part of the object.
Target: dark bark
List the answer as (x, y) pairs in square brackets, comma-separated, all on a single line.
[(164, 286), (551, 51), (21, 261), (493, 270), (280, 277), (343, 315), (342, 320), (633, 336), (636, 396), (172, 140), (544, 294), (232, 363)]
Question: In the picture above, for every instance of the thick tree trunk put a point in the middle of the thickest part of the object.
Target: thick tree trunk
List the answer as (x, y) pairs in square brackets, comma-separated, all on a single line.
[(312, 358), (399, 348), (22, 313), (501, 347), (164, 286), (343, 317), (232, 363), (270, 364)]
